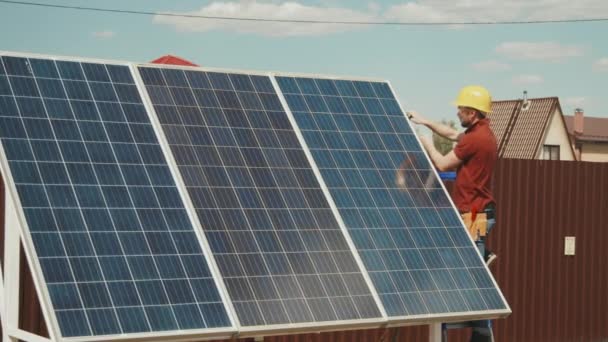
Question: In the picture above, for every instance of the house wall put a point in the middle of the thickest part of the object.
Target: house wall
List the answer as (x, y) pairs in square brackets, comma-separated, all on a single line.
[(557, 135), (595, 152)]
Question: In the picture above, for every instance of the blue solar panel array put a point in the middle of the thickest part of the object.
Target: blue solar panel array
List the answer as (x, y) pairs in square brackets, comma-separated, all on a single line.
[(278, 245), (116, 246), (117, 249), (414, 247)]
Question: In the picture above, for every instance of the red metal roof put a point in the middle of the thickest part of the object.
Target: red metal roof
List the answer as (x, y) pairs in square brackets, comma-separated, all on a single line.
[(520, 131), (594, 129), (173, 60)]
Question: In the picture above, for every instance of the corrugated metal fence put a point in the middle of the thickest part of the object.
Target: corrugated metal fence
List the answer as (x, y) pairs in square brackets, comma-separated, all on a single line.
[(554, 297)]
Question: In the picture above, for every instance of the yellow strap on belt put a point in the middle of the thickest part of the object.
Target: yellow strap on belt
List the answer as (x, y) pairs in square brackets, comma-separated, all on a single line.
[(477, 228)]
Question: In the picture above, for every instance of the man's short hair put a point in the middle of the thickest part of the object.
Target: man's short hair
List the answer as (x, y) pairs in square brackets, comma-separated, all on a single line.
[(480, 114)]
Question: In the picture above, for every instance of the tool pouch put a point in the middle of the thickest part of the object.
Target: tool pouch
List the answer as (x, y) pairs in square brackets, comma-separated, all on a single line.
[(477, 226)]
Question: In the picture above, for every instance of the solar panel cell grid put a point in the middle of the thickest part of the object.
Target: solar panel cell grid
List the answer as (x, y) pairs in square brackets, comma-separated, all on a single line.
[(109, 228), (407, 233), (278, 246)]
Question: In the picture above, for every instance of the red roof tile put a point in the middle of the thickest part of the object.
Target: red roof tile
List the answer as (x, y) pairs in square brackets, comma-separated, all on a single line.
[(520, 131), (502, 112), (594, 129), (173, 60)]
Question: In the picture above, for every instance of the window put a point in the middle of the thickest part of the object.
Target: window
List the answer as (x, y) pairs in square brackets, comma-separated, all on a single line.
[(551, 152)]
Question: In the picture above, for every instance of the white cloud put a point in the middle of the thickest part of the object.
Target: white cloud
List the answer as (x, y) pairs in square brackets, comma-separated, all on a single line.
[(107, 34), (601, 64), (576, 101), (373, 7), (277, 11), (541, 51), (418, 12), (527, 79), (496, 10), (422, 11), (491, 66)]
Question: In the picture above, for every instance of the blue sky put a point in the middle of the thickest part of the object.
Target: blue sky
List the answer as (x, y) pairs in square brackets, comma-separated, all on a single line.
[(426, 65)]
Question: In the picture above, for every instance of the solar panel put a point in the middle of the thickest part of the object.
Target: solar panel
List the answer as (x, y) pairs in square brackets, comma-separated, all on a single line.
[(114, 242), (280, 250), (412, 242)]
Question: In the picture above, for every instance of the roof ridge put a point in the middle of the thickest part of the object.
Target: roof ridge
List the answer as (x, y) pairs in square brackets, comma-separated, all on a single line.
[(589, 117), (530, 99)]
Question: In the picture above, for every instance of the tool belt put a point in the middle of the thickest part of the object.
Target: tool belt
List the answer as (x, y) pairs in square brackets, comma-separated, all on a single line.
[(476, 223)]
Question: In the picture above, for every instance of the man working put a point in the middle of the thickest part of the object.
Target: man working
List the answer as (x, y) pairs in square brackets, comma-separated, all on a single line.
[(474, 157)]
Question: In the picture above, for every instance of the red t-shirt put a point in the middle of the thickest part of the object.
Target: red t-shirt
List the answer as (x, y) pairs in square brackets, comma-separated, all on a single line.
[(478, 151)]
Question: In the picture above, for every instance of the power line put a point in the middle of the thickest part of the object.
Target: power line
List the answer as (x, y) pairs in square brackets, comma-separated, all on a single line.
[(297, 21)]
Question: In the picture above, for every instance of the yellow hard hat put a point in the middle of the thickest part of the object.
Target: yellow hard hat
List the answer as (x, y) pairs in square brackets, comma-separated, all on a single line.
[(476, 97)]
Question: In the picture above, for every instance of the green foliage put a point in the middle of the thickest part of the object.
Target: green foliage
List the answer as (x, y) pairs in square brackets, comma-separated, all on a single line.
[(442, 144)]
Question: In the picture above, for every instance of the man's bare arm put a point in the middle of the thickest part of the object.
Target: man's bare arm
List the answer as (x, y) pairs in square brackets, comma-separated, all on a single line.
[(443, 163), (439, 128)]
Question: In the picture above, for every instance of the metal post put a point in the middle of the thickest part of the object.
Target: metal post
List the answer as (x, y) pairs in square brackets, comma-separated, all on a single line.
[(11, 270), (5, 337), (435, 334)]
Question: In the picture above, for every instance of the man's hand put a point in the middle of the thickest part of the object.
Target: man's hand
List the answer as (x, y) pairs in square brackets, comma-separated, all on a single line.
[(416, 118)]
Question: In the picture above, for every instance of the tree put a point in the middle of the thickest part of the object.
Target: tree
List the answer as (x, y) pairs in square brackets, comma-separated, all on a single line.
[(442, 144)]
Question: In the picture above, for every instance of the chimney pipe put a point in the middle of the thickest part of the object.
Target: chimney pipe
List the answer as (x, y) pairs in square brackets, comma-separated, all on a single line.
[(525, 104), (579, 121)]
